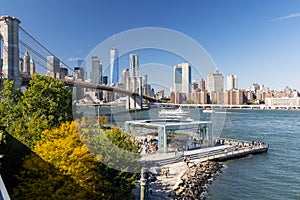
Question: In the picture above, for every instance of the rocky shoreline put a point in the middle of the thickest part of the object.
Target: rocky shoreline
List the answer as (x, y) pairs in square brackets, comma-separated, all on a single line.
[(194, 183)]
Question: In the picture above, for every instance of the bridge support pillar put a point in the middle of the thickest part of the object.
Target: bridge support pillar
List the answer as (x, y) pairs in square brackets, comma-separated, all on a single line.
[(133, 101), (9, 31)]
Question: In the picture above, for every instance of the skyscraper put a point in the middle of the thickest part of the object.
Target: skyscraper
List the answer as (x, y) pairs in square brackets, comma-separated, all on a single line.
[(32, 66), (114, 66), (53, 65), (1, 60), (26, 67), (134, 66), (202, 84), (232, 82), (125, 76), (183, 78), (96, 74), (215, 82)]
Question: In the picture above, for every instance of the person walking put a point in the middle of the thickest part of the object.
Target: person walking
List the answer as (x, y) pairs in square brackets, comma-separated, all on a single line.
[(188, 160)]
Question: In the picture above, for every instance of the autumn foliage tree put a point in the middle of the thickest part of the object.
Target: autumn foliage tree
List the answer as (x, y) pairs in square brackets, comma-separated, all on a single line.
[(69, 171), (61, 168), (48, 153), (46, 103)]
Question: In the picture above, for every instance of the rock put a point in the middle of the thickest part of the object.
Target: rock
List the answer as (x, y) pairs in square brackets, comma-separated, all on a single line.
[(195, 182)]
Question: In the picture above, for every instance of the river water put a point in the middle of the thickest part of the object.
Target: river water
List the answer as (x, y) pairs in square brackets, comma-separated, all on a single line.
[(273, 175)]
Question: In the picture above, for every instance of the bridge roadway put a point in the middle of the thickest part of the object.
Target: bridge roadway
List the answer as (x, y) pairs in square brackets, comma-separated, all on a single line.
[(82, 84)]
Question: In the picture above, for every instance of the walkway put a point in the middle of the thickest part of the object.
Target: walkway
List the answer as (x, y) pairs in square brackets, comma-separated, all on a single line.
[(177, 167)]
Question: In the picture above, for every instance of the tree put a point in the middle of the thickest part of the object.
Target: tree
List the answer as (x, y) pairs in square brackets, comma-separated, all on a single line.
[(63, 168), (46, 103), (118, 155), (23, 116), (48, 98)]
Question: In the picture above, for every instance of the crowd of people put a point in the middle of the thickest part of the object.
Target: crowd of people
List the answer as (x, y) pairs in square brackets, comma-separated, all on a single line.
[(239, 145), (147, 145)]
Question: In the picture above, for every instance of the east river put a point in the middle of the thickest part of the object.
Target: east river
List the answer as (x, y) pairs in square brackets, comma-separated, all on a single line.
[(274, 175)]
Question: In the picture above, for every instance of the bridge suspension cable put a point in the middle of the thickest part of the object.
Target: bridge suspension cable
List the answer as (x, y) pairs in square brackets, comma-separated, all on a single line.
[(43, 66), (43, 47), (36, 53)]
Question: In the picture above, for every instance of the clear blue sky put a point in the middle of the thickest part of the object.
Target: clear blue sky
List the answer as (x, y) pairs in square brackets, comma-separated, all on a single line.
[(258, 40)]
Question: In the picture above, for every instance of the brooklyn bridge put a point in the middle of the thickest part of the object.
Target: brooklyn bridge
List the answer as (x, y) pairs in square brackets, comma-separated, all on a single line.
[(17, 65)]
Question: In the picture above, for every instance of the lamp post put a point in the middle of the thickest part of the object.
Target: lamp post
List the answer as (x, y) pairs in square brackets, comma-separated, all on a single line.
[(144, 184), (99, 119)]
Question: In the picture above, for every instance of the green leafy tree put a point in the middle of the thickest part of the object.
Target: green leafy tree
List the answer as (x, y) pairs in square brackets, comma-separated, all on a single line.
[(46, 103), (23, 116), (48, 98), (117, 153)]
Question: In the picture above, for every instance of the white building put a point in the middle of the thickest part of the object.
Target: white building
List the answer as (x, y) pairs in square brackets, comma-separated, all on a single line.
[(53, 65), (284, 101), (183, 78), (125, 76), (232, 82), (215, 82)]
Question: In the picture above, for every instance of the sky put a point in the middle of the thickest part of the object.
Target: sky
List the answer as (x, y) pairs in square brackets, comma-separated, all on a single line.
[(258, 40)]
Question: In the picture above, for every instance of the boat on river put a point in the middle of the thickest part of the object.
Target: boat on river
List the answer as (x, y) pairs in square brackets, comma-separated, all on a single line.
[(208, 110), (172, 112)]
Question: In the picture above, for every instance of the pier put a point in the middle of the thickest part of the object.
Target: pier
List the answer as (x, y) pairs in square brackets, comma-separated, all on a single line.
[(226, 149), (231, 149)]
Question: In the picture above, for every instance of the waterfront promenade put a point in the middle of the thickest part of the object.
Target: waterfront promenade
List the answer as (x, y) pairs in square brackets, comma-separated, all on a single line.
[(228, 149)]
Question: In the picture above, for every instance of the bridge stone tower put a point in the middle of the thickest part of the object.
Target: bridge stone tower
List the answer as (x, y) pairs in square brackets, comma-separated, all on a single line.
[(9, 34)]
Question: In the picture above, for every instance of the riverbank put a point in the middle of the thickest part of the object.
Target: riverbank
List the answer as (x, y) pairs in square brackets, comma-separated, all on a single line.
[(194, 183), (189, 176), (183, 180)]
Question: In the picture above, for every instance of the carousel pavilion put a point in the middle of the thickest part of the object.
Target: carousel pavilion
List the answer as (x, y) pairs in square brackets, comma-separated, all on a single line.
[(172, 134)]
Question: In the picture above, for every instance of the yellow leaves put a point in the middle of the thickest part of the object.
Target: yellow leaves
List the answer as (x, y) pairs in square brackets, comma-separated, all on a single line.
[(63, 149), (103, 119), (83, 121), (63, 168)]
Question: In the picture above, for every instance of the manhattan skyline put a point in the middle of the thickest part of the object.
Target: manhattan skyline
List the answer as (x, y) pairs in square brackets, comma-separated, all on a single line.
[(256, 40)]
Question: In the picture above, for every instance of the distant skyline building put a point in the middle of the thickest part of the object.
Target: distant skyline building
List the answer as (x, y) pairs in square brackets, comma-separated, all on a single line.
[(96, 74), (32, 66), (215, 82), (1, 60), (125, 77), (183, 78), (114, 66), (134, 66), (232, 82), (53, 65), (78, 73), (105, 80), (202, 84), (26, 64), (80, 63), (195, 84)]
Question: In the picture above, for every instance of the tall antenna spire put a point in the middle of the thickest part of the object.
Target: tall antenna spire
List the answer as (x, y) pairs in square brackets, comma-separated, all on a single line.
[(114, 41)]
